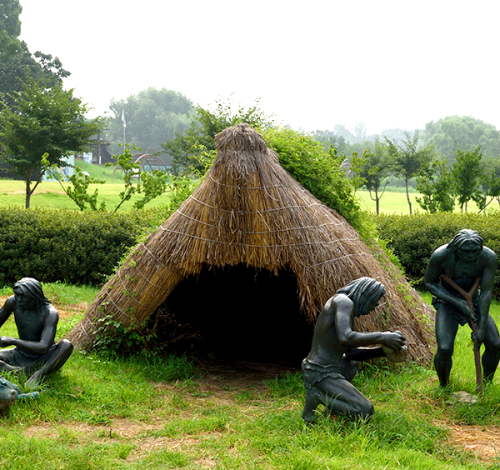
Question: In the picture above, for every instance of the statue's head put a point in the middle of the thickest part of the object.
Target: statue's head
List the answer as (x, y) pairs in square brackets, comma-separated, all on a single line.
[(28, 291), (365, 293), (467, 245)]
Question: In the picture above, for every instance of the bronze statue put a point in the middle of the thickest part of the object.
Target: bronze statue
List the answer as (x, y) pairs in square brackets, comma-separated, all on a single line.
[(10, 392), (337, 349), (35, 352), (453, 276)]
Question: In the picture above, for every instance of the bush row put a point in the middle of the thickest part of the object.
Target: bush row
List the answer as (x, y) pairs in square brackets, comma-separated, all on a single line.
[(71, 246), (413, 238)]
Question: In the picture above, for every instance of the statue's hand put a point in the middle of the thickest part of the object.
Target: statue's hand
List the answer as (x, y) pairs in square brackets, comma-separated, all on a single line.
[(464, 308), (5, 341), (480, 334), (394, 341)]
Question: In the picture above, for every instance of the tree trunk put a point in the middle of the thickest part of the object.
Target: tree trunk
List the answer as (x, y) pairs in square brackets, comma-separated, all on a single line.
[(377, 202), (28, 188), (408, 195)]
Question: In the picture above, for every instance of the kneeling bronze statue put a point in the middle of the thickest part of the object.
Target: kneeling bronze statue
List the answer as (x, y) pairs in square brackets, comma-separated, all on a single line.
[(35, 353), (337, 350)]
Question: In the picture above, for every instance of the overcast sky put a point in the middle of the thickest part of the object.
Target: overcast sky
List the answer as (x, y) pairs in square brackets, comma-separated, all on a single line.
[(312, 63)]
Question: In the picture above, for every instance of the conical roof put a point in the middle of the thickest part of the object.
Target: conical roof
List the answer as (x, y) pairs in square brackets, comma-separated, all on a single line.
[(250, 211)]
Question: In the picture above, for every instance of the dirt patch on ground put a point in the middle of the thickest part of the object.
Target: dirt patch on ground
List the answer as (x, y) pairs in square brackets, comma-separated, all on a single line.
[(483, 441)]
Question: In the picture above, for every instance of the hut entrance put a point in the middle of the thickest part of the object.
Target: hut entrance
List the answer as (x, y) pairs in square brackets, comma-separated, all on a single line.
[(245, 314)]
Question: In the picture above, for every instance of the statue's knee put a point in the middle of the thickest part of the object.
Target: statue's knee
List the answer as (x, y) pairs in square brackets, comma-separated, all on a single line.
[(367, 411), (444, 353), (65, 346)]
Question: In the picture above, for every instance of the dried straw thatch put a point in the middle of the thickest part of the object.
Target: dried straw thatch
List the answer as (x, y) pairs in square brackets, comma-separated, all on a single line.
[(250, 211)]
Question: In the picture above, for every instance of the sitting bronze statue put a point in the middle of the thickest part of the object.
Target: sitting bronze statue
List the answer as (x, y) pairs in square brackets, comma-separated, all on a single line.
[(35, 352), (10, 392), (337, 349), (460, 278)]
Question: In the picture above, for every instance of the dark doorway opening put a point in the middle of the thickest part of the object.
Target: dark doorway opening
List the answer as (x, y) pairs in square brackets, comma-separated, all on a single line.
[(242, 313)]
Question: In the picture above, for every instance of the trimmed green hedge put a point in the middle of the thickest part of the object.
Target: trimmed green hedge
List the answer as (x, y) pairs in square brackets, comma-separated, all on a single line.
[(71, 246), (413, 238)]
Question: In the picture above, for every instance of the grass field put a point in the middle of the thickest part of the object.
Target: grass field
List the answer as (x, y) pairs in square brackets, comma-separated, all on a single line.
[(396, 203), (50, 195), (170, 412)]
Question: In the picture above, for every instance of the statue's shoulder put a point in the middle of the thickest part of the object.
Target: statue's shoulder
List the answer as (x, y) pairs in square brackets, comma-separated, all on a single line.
[(441, 253), (10, 302), (489, 255), (339, 300)]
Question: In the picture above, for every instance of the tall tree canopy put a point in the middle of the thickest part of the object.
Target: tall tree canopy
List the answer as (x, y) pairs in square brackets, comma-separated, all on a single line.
[(16, 59), (454, 132), (46, 124), (9, 17), (151, 116)]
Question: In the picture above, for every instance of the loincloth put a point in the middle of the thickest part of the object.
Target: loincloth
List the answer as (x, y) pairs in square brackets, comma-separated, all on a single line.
[(456, 314), (313, 372)]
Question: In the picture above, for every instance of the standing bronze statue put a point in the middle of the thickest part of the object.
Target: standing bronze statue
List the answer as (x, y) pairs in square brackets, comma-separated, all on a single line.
[(337, 349), (455, 272), (35, 352)]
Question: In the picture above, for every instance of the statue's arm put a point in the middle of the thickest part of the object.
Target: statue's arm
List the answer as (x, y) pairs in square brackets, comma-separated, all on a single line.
[(46, 338), (487, 277), (432, 277), (7, 309), (349, 338)]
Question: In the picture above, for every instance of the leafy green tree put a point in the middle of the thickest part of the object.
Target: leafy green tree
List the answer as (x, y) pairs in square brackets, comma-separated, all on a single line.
[(16, 59), (150, 184), (374, 170), (489, 188), (78, 190), (466, 175), (151, 116), (9, 17), (315, 168), (409, 159), (188, 149), (453, 132), (47, 121), (434, 182)]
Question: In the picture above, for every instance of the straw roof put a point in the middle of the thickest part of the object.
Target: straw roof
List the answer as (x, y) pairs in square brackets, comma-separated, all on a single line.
[(250, 211)]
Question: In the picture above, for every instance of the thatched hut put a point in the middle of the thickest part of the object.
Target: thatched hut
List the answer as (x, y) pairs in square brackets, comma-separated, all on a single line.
[(249, 260)]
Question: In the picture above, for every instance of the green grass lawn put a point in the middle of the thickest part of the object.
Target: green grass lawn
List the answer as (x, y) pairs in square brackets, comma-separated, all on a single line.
[(396, 203), (51, 196), (171, 412)]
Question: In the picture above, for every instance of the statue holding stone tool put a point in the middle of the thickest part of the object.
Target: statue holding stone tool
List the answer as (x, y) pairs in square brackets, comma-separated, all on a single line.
[(35, 353), (337, 349), (460, 278)]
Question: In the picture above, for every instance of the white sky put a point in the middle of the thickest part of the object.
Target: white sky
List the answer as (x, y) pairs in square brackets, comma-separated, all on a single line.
[(312, 63)]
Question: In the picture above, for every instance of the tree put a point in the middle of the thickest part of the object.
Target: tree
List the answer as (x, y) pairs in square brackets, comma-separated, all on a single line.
[(188, 149), (409, 159), (16, 59), (434, 182), (44, 121), (9, 17), (151, 116), (374, 169), (453, 132), (466, 175), (489, 187)]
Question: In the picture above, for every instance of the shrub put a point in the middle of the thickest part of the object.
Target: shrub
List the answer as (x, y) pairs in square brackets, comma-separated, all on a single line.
[(413, 238), (71, 246)]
